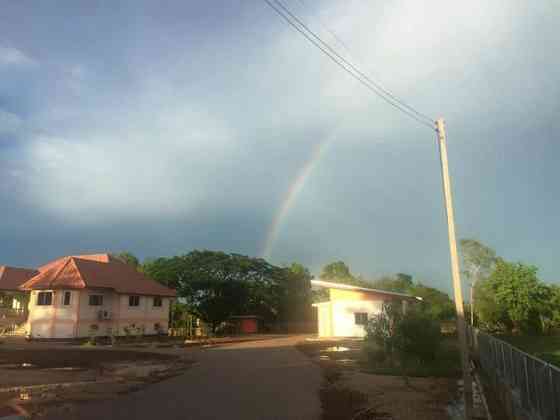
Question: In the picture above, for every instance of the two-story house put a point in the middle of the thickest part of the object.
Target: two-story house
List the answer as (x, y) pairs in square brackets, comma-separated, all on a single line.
[(84, 295)]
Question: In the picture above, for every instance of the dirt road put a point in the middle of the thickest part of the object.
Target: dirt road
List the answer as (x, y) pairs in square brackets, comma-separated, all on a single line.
[(263, 380)]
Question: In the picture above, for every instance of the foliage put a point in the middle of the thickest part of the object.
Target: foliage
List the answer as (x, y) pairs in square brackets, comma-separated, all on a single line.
[(478, 261), (296, 294), (513, 299), (420, 336), (546, 347), (335, 271), (382, 328), (339, 272), (128, 258), (435, 303), (401, 283), (412, 339), (215, 285)]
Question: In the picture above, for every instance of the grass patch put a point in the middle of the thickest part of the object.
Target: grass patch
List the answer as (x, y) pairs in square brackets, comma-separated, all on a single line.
[(447, 363), (546, 347)]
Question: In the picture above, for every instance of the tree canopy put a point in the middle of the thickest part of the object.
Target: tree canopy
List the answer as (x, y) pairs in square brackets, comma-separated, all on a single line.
[(217, 285), (514, 298), (128, 258)]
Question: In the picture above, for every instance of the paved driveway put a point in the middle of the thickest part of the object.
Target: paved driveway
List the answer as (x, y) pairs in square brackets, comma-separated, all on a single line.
[(264, 380)]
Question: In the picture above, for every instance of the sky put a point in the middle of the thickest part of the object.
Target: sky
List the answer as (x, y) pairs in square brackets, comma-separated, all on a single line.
[(162, 128)]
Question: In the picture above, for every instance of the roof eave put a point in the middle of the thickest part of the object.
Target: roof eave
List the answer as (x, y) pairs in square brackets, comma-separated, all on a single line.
[(331, 285)]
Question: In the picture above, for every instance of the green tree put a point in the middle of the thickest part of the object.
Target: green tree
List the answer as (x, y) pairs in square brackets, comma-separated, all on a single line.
[(401, 283), (435, 303), (520, 295), (216, 285), (337, 270), (478, 261), (128, 258), (297, 294)]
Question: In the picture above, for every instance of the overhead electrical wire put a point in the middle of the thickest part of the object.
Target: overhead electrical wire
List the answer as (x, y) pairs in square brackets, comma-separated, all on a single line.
[(346, 65), (353, 66)]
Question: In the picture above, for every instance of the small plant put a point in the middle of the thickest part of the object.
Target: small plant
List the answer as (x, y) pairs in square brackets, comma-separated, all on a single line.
[(112, 336), (127, 332), (93, 329)]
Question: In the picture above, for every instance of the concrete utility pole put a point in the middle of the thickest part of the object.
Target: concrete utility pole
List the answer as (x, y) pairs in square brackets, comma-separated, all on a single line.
[(457, 287)]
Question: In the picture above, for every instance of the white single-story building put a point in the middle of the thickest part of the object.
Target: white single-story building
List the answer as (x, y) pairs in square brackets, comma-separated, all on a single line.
[(348, 309), (85, 295)]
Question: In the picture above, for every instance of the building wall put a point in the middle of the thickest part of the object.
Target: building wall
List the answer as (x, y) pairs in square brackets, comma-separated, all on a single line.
[(55, 320), (343, 319), (80, 319), (336, 318)]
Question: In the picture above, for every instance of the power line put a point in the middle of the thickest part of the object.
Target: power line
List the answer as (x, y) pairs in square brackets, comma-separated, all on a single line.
[(349, 67), (352, 66), (348, 50)]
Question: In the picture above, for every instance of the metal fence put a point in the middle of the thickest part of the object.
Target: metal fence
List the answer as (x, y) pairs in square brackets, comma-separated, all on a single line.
[(533, 383)]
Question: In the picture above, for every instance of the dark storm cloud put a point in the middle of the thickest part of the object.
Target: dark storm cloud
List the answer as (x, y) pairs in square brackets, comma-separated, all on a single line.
[(159, 130)]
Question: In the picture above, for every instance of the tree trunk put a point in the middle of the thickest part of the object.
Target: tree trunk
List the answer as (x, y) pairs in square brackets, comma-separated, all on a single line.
[(473, 284)]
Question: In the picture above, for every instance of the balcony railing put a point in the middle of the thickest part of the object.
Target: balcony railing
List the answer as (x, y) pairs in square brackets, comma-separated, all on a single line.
[(12, 313)]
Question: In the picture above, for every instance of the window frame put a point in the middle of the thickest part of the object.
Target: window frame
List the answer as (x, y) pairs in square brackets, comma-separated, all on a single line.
[(132, 299), (68, 294), (92, 298), (361, 318), (41, 294), (159, 300)]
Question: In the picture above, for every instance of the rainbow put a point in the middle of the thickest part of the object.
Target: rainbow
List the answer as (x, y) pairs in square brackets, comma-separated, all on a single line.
[(292, 194)]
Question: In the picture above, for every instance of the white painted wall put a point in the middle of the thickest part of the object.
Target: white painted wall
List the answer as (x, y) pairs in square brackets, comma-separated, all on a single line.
[(76, 320), (336, 318)]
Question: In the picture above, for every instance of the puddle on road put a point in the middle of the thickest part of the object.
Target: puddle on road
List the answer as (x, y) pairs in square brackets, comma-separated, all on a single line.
[(17, 366), (335, 349)]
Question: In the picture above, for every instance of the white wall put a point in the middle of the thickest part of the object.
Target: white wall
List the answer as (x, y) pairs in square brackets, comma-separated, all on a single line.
[(55, 320), (343, 321), (76, 320)]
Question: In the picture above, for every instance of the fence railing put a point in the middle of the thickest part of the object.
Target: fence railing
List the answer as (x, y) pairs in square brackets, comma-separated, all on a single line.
[(533, 383), (11, 312)]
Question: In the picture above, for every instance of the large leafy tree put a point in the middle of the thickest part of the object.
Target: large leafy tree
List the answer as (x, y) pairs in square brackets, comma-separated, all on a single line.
[(400, 282), (521, 297), (337, 270), (478, 261), (296, 294), (128, 258), (435, 303), (216, 285)]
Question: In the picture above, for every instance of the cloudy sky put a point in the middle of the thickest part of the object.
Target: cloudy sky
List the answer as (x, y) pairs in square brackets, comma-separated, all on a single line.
[(159, 129)]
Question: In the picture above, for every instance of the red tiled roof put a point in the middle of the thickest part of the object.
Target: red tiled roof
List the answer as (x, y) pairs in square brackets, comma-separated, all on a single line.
[(11, 278), (95, 271)]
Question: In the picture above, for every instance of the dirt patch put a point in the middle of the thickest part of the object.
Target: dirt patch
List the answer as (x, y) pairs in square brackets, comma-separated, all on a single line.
[(365, 396), (422, 399), (44, 379), (60, 358)]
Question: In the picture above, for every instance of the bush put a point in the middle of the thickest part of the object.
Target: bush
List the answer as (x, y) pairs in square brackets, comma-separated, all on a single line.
[(375, 356), (411, 336), (419, 336)]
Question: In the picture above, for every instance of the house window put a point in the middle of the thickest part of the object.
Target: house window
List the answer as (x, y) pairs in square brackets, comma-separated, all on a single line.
[(157, 302), (44, 298), (133, 300), (360, 318), (95, 300), (66, 298)]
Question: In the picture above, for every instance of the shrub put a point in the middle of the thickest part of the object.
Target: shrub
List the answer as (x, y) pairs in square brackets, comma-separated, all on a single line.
[(419, 337), (376, 357), (382, 327), (411, 336)]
